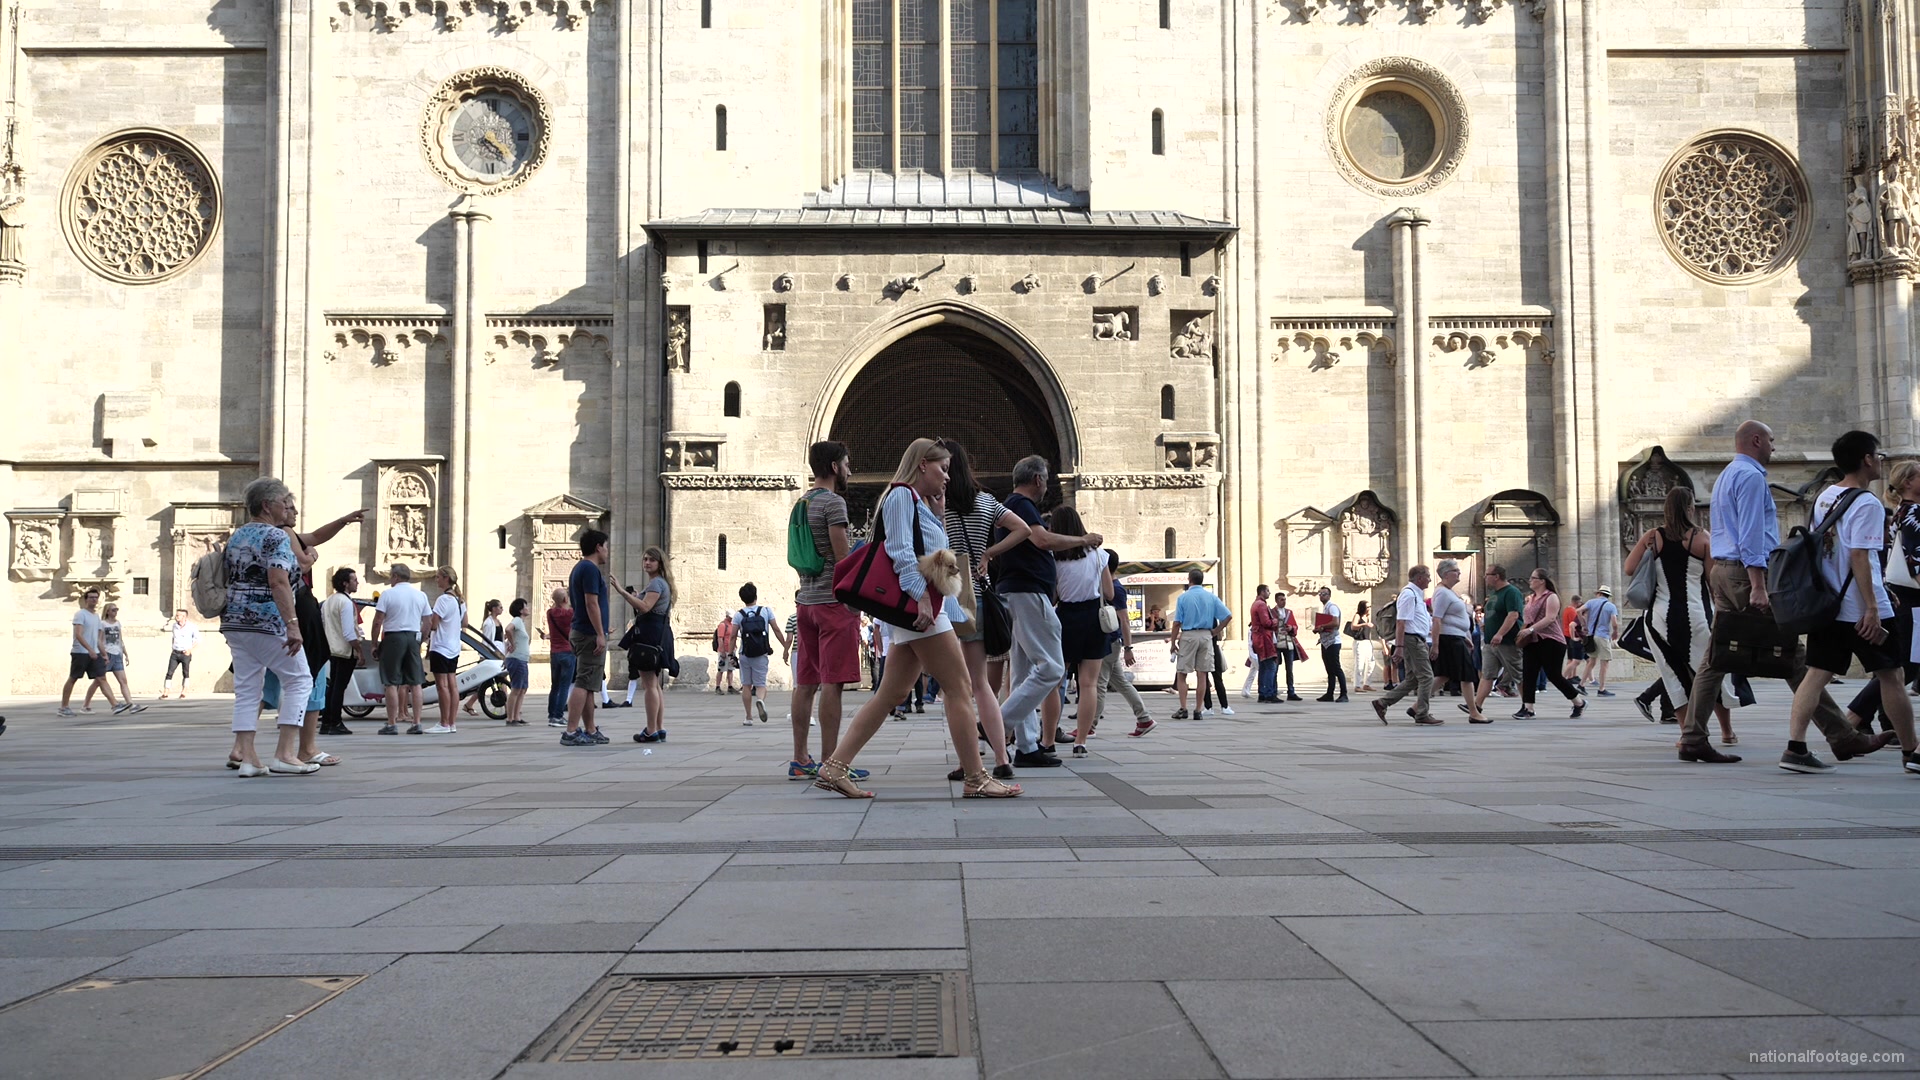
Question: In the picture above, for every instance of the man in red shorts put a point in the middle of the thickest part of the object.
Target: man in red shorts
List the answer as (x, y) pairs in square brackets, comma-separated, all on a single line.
[(829, 651)]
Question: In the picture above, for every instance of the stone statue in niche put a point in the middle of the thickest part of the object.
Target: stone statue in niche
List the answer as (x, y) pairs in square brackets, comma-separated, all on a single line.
[(1859, 224), (1193, 342), (1111, 326), (773, 337), (1364, 537), (679, 339), (407, 530), (1896, 216)]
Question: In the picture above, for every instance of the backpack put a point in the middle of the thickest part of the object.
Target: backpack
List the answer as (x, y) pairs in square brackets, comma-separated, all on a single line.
[(209, 582), (802, 554), (753, 632), (1802, 599)]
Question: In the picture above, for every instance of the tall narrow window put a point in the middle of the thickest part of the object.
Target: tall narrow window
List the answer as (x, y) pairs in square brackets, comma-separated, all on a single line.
[(720, 127), (730, 399), (1159, 132), (971, 31), (1018, 28), (1186, 260), (1166, 14), (872, 84), (700, 252), (1173, 545), (721, 552), (706, 14), (1166, 402), (919, 84)]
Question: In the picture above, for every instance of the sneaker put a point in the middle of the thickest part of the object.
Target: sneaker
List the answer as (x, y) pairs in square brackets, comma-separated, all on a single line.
[(1179, 714), (1605, 693), (66, 711), (1909, 762), (1142, 727), (1324, 697), (1294, 697), (1803, 763), (1036, 760), (122, 707), (1079, 751), (760, 707), (576, 738), (554, 721), (414, 730), (650, 736), (1342, 698), (1005, 772), (916, 708), (1227, 710), (388, 730), (599, 737), (1579, 706), (440, 729), (1524, 713), (746, 723), (796, 770), (1646, 710)]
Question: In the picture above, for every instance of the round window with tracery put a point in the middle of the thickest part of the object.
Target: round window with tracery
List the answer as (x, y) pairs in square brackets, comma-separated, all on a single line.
[(141, 206), (1733, 208)]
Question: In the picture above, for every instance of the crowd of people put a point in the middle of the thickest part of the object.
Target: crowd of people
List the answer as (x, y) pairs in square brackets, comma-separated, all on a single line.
[(1014, 613)]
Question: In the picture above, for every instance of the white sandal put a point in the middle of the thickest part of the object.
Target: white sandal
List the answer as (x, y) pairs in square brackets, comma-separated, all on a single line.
[(323, 758)]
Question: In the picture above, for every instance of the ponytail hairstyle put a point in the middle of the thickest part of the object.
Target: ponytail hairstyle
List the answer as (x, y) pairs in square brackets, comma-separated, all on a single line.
[(453, 582)]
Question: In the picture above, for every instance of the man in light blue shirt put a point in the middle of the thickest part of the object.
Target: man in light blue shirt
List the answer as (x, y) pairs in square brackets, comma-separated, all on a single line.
[(1198, 618), (1599, 615), (1746, 529)]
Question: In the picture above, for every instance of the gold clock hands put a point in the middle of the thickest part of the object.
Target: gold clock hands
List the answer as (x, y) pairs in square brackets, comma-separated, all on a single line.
[(504, 150)]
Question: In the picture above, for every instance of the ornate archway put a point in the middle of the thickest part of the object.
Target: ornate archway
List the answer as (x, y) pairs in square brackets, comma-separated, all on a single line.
[(954, 374)]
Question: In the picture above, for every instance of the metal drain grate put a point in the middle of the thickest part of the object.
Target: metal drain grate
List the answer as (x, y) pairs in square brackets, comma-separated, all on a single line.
[(639, 1018), (1584, 824)]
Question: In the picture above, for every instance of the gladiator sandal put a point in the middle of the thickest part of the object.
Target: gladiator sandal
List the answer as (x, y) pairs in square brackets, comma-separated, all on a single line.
[(982, 785), (835, 775)]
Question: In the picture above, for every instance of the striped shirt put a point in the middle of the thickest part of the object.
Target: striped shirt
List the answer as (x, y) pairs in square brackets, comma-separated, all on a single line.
[(972, 535)]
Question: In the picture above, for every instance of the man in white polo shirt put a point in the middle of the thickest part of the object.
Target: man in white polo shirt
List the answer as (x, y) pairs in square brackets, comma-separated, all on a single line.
[(1413, 639)]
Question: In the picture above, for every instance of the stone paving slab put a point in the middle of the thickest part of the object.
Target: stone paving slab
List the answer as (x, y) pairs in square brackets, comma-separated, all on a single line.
[(1294, 891)]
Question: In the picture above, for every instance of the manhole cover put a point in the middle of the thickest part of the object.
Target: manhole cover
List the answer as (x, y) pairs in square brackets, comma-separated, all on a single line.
[(639, 1018)]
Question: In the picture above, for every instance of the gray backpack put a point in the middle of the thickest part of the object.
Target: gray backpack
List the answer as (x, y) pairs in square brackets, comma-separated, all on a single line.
[(1802, 599)]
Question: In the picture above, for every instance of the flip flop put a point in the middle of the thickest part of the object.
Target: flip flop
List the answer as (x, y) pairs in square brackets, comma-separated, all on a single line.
[(323, 758)]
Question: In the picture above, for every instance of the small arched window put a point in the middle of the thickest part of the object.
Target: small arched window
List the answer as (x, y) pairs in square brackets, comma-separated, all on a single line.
[(720, 127), (1159, 132), (722, 547), (706, 14), (730, 399), (1166, 14), (1173, 545), (1166, 402)]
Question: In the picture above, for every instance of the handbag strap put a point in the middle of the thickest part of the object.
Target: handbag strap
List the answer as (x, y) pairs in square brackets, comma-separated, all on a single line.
[(880, 522)]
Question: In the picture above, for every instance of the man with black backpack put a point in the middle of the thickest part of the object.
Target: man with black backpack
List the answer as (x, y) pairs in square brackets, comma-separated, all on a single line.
[(1746, 529), (754, 628), (1850, 525)]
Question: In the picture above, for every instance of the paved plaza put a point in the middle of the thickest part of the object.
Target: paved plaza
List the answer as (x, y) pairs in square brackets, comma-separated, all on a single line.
[(1294, 891)]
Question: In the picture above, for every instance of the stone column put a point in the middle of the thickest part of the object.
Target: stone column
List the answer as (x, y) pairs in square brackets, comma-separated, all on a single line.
[(289, 313), (1409, 302), (467, 319)]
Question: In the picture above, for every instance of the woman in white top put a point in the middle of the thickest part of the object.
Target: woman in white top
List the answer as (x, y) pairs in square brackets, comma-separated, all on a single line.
[(114, 643), (444, 622), (519, 648), (494, 633), (1082, 586), (912, 506), (1453, 624), (971, 517)]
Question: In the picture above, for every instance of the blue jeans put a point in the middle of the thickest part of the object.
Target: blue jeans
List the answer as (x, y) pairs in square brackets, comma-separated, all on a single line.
[(562, 667), (1269, 678)]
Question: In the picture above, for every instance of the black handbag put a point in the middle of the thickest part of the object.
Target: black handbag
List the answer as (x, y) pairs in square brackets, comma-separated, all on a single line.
[(1750, 643), (996, 623)]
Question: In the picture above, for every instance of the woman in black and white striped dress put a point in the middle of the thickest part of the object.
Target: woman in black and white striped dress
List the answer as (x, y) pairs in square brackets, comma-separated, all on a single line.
[(1677, 622)]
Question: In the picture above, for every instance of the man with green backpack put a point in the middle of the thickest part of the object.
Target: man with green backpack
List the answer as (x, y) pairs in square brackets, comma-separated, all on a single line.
[(829, 631)]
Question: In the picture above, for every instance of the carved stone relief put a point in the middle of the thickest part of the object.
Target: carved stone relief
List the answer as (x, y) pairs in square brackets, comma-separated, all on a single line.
[(448, 16), (1306, 550), (1156, 284), (1480, 342), (552, 530), (1366, 533), (899, 287), (1323, 344), (1190, 451), (1361, 12), (783, 283), (1192, 335), (540, 344), (773, 328), (1733, 208), (36, 544), (679, 339), (967, 285), (96, 552), (1032, 283), (141, 207), (407, 527), (1140, 481), (1115, 324), (684, 450), (1643, 495), (685, 481)]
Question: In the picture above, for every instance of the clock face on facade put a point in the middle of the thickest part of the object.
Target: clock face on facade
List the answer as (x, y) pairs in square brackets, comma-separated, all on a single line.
[(486, 131), (492, 135)]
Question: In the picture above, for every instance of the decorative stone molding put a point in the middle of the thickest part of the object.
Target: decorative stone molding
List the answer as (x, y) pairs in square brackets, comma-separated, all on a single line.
[(141, 206), (1115, 324), (1446, 106), (1362, 12), (1366, 534), (683, 481), (448, 16), (551, 537), (386, 339), (545, 342), (1324, 343), (783, 283), (1643, 494), (1486, 341), (444, 107), (35, 548), (96, 552), (1191, 334), (681, 451), (1306, 550), (1190, 451), (1156, 284), (407, 520), (194, 530), (1733, 208), (899, 287), (1032, 283), (1160, 481)]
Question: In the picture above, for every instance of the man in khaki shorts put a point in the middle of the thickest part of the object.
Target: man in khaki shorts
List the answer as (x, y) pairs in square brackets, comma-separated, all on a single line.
[(1198, 618)]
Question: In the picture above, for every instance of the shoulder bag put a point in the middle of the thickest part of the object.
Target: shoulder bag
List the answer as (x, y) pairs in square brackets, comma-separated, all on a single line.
[(1645, 581), (1751, 643), (867, 582), (996, 622)]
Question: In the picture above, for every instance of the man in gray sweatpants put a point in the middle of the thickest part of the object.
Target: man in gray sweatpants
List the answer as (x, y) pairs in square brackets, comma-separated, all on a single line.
[(1024, 577)]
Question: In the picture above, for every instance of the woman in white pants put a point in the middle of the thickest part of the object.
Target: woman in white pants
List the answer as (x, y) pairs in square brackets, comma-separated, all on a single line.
[(261, 630)]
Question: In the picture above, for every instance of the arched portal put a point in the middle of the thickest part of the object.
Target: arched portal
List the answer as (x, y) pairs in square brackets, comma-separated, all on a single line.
[(946, 380)]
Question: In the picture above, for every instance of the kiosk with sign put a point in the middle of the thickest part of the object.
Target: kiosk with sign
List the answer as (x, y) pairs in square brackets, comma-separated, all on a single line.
[(1157, 583)]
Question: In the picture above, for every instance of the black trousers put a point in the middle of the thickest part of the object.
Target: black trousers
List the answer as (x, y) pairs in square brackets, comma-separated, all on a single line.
[(339, 677), (1207, 688), (1544, 658), (1330, 657)]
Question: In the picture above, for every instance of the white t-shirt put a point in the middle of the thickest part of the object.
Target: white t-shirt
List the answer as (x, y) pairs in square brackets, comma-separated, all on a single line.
[(1411, 611), (185, 636), (1452, 613), (1331, 637), (1078, 580), (1864, 528), (403, 608), (89, 625), (446, 637)]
